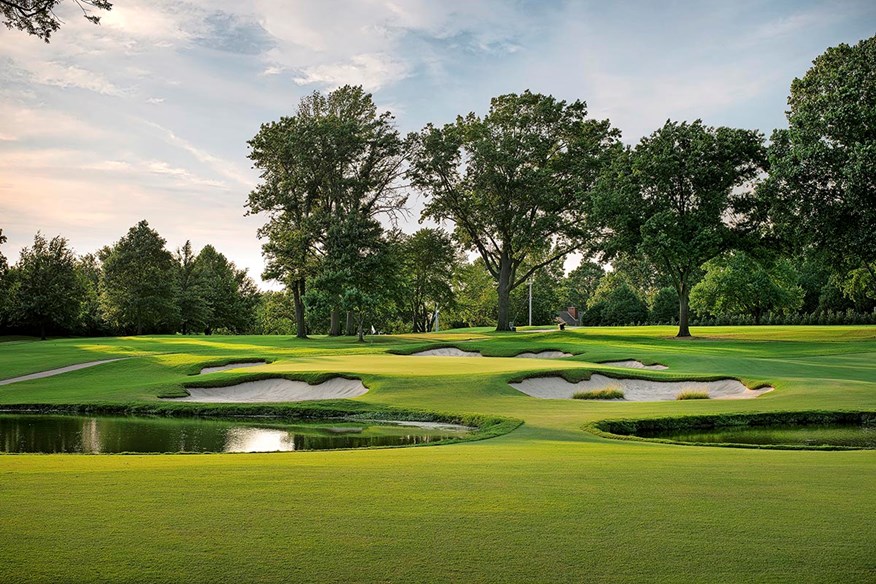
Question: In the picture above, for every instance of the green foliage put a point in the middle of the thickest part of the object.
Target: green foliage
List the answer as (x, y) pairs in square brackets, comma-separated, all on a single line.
[(90, 320), (547, 295), (335, 158), (38, 18), (822, 167), (46, 293), (275, 314), (737, 283), (514, 182), (476, 303), (138, 287), (669, 196), (606, 393), (614, 302), (229, 295), (580, 284), (664, 306), (430, 260), (191, 293)]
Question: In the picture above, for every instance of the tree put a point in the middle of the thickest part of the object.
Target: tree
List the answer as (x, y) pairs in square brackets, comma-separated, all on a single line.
[(823, 167), (514, 182), (475, 291), (580, 284), (191, 295), (46, 292), (547, 284), (138, 288), (4, 285), (38, 18), (90, 321), (430, 259), (680, 198), (334, 157), (736, 283), (275, 314), (664, 305), (615, 302)]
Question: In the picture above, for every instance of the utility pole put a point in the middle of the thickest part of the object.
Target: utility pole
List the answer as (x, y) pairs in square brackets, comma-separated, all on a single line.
[(530, 302)]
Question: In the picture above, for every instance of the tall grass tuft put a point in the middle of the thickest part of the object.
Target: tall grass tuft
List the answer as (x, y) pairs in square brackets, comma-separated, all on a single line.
[(693, 395), (607, 393)]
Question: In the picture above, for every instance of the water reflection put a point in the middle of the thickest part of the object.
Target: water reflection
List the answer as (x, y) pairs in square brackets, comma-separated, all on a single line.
[(113, 434)]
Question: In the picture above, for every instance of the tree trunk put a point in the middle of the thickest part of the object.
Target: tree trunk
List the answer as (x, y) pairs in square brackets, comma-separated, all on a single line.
[(350, 329), (504, 290), (683, 311), (297, 293), (42, 331), (361, 332), (335, 327)]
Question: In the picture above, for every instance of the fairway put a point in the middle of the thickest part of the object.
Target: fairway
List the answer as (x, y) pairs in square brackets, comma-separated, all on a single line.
[(548, 501)]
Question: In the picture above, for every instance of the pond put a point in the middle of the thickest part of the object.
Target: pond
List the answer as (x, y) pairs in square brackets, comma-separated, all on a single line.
[(847, 435), (58, 433)]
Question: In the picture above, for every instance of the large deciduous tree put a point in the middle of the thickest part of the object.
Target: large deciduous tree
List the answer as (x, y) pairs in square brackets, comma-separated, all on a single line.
[(138, 289), (681, 197), (822, 185), (335, 157), (191, 295), (38, 18), (46, 292), (515, 182)]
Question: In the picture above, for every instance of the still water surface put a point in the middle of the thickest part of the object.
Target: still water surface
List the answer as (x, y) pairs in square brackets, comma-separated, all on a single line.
[(112, 434), (833, 435)]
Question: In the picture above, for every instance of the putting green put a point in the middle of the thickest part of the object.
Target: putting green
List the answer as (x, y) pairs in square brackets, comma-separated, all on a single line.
[(547, 502)]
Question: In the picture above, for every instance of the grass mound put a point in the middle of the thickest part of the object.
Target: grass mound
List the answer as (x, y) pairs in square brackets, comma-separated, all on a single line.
[(692, 395), (606, 393)]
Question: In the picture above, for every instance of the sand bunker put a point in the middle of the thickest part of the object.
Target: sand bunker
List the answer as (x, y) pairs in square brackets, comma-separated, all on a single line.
[(275, 390), (544, 355), (446, 352), (58, 371), (206, 370), (635, 389), (633, 364)]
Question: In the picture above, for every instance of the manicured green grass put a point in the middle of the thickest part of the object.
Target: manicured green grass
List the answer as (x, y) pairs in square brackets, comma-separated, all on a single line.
[(548, 501)]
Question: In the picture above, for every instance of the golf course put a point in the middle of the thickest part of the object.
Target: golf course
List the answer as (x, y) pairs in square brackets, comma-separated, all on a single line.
[(536, 496)]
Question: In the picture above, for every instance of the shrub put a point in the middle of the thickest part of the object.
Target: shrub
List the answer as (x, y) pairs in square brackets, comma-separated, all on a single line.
[(692, 395), (607, 393)]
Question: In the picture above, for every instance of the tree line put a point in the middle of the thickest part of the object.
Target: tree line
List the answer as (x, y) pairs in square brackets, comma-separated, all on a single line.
[(715, 213)]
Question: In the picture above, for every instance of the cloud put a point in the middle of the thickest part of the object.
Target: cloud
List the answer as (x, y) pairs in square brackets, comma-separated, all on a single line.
[(371, 71), (66, 76)]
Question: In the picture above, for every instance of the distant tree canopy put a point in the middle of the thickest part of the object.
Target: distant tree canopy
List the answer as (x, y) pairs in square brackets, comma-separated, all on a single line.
[(736, 283), (822, 181), (38, 18), (670, 198), (430, 260), (138, 282), (46, 291)]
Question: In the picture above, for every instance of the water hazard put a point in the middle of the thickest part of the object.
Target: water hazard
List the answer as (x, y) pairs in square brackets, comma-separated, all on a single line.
[(848, 435), (57, 433)]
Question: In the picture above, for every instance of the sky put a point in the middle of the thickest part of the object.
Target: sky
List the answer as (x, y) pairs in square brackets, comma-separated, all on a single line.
[(147, 115)]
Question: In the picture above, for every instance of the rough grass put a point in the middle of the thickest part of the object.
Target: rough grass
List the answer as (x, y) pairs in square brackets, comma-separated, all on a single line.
[(606, 393), (524, 506), (691, 394)]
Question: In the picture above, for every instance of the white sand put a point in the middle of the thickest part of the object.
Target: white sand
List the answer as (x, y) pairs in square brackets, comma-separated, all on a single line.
[(633, 364), (275, 390), (58, 371), (635, 389), (447, 352), (544, 355), (206, 370), (427, 425)]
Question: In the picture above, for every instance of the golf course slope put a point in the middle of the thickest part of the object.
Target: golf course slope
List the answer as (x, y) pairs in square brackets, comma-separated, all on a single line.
[(546, 502)]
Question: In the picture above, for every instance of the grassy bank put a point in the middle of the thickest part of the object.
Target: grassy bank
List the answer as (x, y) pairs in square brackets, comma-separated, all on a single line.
[(545, 502)]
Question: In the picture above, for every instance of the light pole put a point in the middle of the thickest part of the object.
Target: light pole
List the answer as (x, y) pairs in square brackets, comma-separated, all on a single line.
[(530, 302)]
